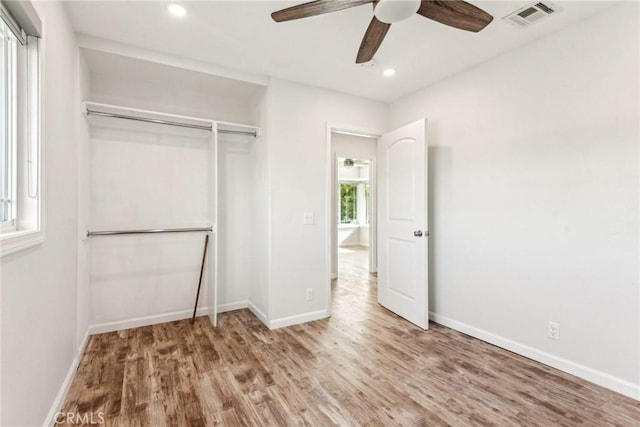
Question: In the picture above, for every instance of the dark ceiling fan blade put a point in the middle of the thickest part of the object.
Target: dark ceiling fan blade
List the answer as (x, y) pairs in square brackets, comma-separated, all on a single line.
[(372, 40), (455, 13), (314, 8)]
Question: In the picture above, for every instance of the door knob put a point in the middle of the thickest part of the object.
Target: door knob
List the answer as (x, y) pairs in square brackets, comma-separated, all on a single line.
[(417, 233)]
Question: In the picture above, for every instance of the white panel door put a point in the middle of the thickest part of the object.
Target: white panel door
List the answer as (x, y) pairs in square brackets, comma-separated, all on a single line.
[(402, 223)]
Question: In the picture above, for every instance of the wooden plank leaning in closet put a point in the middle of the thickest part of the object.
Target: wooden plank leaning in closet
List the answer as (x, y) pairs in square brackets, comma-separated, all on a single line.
[(204, 259)]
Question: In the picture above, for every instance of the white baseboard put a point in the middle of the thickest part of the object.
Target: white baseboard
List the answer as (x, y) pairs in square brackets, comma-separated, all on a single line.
[(66, 384), (300, 318), (231, 306), (259, 314), (597, 377), (137, 322)]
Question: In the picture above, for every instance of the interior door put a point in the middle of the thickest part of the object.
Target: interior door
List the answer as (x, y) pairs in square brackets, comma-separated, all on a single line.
[(402, 223)]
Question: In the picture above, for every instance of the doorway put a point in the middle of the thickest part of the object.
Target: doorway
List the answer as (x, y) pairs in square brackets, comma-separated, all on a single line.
[(402, 226), (353, 215), (353, 208)]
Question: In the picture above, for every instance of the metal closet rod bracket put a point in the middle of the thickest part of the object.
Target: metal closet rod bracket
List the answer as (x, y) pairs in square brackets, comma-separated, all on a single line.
[(149, 231)]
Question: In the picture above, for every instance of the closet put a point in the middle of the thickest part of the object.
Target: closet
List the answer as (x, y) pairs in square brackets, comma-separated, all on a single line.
[(158, 183)]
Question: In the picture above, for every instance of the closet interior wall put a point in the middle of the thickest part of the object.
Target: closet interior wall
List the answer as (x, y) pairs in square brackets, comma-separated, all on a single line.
[(146, 176), (260, 190), (156, 176), (237, 215)]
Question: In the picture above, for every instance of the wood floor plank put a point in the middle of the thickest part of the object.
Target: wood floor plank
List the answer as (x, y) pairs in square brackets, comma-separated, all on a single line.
[(363, 366)]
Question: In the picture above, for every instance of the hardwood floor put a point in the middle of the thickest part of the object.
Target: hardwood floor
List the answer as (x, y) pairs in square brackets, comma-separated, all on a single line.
[(353, 262), (363, 366)]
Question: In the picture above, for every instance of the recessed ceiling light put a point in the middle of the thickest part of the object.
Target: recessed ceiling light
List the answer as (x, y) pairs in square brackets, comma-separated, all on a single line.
[(177, 10), (389, 72)]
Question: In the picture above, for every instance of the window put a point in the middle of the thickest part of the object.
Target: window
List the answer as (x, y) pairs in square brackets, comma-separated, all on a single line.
[(20, 195), (348, 203), (355, 202), (8, 108)]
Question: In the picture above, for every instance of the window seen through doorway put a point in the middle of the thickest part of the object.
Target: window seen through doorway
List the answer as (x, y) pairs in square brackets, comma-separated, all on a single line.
[(354, 203)]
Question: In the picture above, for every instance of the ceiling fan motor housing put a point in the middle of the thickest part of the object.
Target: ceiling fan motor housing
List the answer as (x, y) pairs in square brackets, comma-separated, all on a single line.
[(391, 11)]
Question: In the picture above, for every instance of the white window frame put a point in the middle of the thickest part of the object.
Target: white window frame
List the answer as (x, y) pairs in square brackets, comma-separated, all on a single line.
[(9, 130), (363, 206), (27, 228)]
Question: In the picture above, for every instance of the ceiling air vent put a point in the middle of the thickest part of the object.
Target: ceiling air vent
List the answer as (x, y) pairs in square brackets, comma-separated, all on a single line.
[(531, 14)]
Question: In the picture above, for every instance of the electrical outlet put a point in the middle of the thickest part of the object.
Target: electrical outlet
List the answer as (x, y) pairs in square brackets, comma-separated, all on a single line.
[(309, 294), (554, 330)]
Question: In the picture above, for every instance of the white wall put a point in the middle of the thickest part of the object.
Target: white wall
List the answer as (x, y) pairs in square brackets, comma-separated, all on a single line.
[(84, 205), (236, 216), (353, 146), (534, 195), (298, 157), (364, 237), (353, 173), (39, 284), (258, 287), (349, 235), (136, 92)]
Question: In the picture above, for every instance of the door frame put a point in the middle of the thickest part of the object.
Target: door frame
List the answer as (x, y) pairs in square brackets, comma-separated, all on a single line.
[(330, 161)]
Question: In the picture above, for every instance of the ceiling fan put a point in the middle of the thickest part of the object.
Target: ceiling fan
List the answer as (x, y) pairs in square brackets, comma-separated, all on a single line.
[(357, 163), (454, 13)]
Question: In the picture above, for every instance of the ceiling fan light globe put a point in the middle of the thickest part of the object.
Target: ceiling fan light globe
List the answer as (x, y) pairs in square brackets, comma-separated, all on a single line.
[(392, 11)]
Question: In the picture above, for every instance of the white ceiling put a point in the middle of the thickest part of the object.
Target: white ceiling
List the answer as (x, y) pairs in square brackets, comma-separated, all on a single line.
[(240, 35)]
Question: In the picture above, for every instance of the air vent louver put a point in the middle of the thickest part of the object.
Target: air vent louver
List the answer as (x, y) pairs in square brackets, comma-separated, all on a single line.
[(531, 14)]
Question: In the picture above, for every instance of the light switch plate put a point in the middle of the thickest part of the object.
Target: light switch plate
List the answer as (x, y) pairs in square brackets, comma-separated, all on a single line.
[(307, 218)]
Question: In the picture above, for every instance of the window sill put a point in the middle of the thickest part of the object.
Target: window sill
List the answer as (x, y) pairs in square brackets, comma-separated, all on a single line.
[(19, 240), (348, 226)]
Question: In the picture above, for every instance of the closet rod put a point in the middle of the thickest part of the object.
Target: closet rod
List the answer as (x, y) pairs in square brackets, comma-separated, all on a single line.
[(144, 119), (168, 122), (148, 231), (238, 132)]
